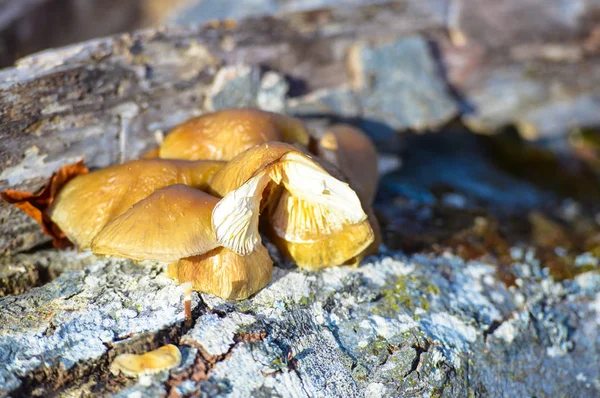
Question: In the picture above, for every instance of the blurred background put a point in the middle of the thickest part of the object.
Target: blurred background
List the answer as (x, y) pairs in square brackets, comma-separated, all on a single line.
[(28, 26)]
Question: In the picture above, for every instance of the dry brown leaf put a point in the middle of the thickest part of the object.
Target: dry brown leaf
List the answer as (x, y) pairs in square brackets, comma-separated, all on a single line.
[(36, 205)]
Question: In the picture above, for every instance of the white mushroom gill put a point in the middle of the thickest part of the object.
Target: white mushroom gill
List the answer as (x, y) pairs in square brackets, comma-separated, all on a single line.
[(235, 217), (306, 180)]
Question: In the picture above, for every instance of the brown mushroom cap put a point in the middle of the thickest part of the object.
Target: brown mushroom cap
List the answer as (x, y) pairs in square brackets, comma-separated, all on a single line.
[(88, 202), (224, 273), (224, 134), (164, 358), (352, 151), (172, 223)]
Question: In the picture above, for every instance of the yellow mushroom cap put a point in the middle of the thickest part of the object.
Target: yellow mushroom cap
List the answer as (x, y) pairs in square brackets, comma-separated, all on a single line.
[(224, 273), (88, 202), (313, 203), (315, 237), (352, 151), (224, 134), (164, 358), (246, 165), (172, 223)]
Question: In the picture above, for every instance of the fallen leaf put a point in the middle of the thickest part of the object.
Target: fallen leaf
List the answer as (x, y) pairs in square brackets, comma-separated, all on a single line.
[(35, 205)]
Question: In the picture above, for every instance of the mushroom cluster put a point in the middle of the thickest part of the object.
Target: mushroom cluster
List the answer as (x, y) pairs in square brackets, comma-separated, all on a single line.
[(202, 199)]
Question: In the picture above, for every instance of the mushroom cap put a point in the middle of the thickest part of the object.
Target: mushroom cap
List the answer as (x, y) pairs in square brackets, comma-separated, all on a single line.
[(164, 358), (344, 247), (246, 165), (248, 180), (224, 134), (353, 152), (88, 202), (315, 237), (224, 273), (172, 223)]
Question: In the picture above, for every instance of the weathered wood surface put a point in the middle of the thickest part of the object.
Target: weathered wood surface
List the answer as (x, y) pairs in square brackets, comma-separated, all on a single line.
[(396, 326), (433, 323)]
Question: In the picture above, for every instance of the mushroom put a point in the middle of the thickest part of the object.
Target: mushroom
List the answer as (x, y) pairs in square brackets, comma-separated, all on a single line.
[(314, 236), (353, 152), (88, 202), (312, 216), (224, 134), (164, 358), (173, 224), (225, 273)]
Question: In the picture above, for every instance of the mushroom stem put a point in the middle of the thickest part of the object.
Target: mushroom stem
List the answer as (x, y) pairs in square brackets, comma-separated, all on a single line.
[(187, 304), (224, 273)]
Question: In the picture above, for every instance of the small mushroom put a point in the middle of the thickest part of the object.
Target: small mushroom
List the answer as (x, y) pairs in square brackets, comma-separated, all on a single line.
[(224, 273), (88, 202), (174, 224), (304, 204), (164, 358), (224, 134)]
